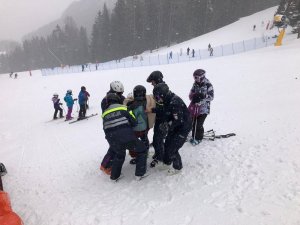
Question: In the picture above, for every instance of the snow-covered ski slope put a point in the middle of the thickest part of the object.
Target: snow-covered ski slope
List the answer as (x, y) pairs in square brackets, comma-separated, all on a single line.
[(254, 178)]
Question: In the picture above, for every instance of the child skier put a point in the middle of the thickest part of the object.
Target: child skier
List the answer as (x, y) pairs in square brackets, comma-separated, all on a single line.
[(138, 107), (57, 107), (82, 100), (201, 94), (70, 102)]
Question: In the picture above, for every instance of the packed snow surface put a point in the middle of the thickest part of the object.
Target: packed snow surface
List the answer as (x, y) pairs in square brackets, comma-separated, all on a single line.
[(254, 178)]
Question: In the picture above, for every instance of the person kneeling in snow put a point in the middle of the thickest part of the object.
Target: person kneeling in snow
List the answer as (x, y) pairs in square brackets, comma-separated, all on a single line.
[(117, 126)]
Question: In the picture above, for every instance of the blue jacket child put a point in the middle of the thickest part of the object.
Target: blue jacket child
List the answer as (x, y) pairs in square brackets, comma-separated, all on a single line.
[(70, 102)]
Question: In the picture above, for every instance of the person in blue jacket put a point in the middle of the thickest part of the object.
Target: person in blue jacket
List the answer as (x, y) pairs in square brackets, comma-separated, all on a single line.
[(82, 100), (70, 102)]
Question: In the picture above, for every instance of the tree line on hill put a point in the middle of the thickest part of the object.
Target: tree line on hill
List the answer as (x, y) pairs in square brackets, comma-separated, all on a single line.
[(133, 26)]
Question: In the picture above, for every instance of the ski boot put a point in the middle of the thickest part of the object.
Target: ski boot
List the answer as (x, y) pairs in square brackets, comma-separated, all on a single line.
[(106, 170), (195, 142), (173, 171), (154, 163), (138, 178)]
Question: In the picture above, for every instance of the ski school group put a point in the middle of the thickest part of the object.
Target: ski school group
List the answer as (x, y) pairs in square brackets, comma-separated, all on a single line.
[(82, 101), (126, 122)]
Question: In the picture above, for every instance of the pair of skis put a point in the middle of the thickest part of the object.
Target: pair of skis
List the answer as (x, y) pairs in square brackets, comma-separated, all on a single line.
[(211, 135), (84, 118)]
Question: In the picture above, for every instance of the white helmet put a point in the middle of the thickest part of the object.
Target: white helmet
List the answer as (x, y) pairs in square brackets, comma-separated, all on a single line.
[(116, 86), (55, 94), (69, 91)]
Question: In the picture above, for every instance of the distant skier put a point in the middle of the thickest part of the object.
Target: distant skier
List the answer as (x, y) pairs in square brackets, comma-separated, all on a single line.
[(10, 74), (170, 55), (209, 47), (211, 52), (57, 104), (193, 53), (82, 67), (82, 101), (254, 27), (16, 75), (177, 125), (188, 51), (70, 102), (201, 94)]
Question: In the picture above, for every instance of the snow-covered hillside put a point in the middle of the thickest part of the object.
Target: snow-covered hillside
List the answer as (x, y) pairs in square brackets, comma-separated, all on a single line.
[(254, 178)]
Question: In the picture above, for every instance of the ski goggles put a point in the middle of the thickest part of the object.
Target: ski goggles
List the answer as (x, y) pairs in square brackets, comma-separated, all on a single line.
[(198, 78)]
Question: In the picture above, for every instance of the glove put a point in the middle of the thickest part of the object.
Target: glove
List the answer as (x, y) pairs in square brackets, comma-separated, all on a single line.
[(200, 103), (164, 128), (197, 97), (60, 103), (75, 99)]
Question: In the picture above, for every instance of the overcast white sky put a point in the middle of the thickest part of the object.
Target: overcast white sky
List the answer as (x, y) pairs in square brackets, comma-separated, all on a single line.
[(19, 17)]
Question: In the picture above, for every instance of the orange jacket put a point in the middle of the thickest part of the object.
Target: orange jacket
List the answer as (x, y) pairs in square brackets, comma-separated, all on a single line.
[(7, 216)]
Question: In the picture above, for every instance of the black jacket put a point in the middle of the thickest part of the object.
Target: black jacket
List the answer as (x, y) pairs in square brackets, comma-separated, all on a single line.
[(177, 114)]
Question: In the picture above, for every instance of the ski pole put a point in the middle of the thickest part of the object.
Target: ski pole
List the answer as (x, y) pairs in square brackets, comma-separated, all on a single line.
[(63, 109), (195, 129)]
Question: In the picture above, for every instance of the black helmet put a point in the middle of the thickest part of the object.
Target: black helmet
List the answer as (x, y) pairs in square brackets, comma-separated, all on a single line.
[(83, 88), (155, 76), (160, 91), (199, 72), (139, 92), (113, 98)]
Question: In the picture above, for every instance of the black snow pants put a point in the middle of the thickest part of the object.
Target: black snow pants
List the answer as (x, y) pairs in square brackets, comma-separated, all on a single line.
[(174, 141), (82, 110), (158, 141), (120, 152), (198, 129), (56, 111)]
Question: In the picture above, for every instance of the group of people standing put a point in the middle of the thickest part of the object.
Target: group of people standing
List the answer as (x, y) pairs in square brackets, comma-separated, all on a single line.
[(11, 74), (83, 97), (126, 122)]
